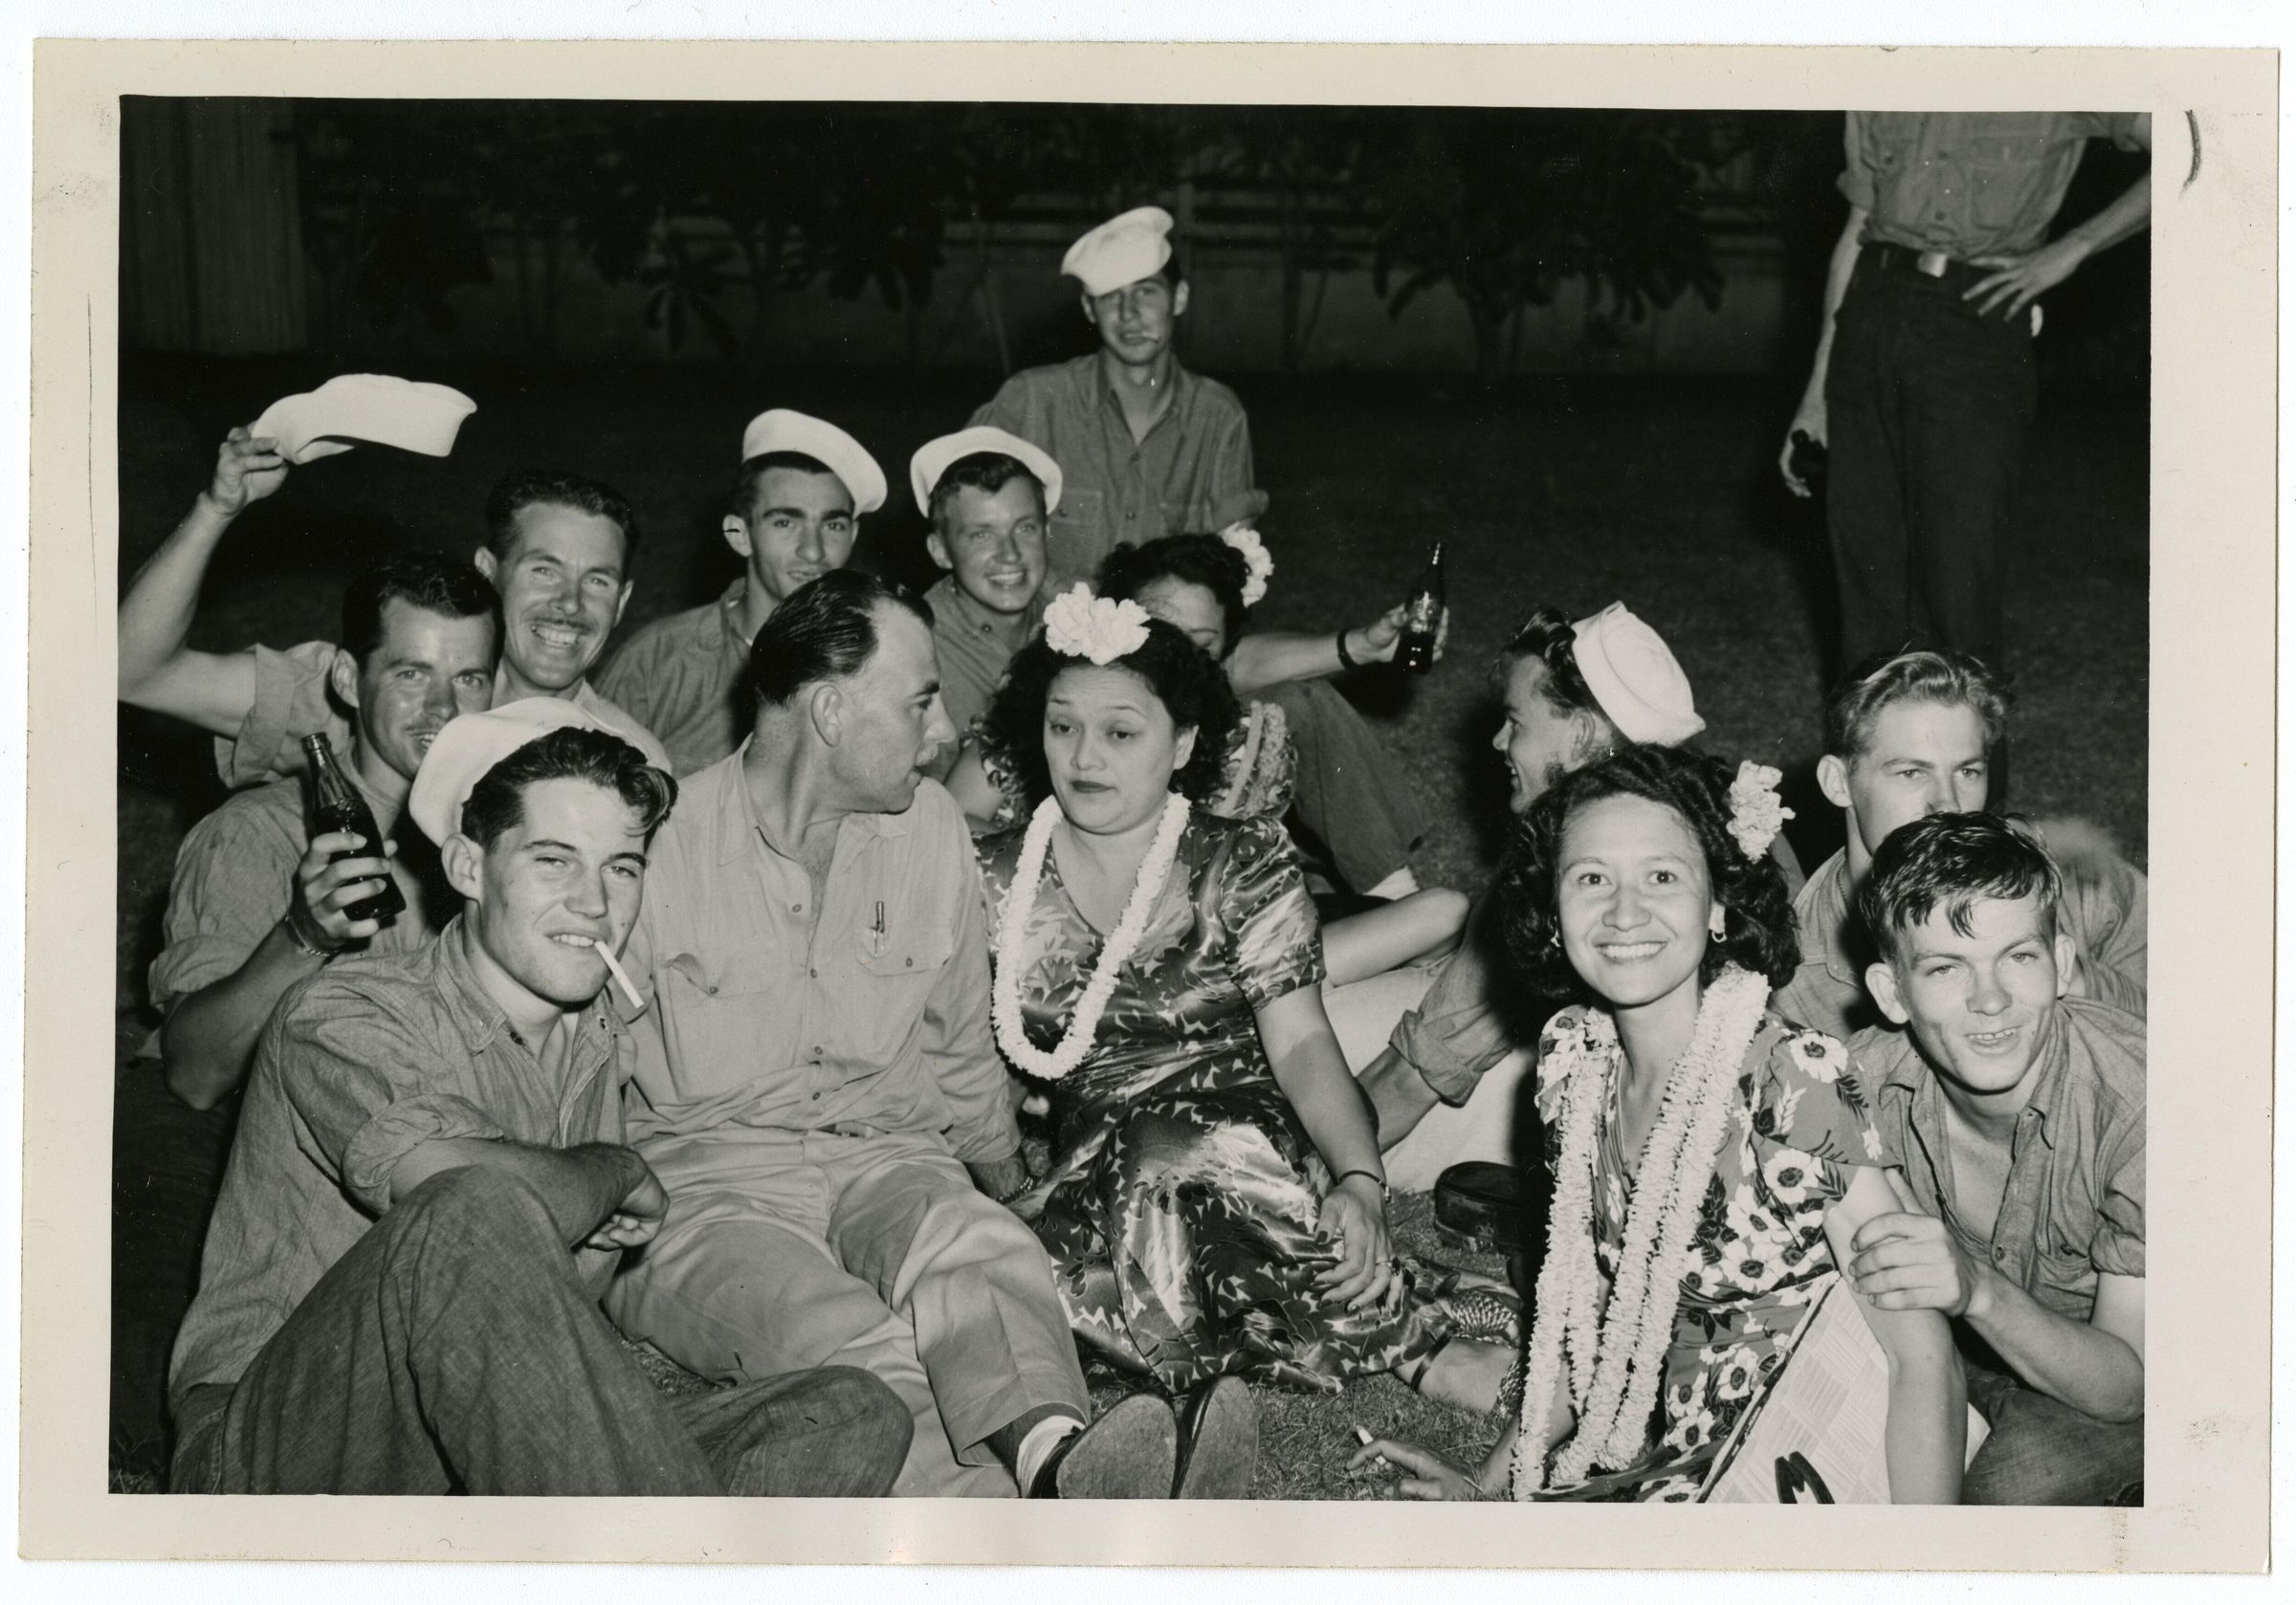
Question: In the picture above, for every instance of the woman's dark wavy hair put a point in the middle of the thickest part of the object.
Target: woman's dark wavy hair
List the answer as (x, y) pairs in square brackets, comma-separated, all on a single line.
[(1200, 559), (1193, 688), (1759, 916)]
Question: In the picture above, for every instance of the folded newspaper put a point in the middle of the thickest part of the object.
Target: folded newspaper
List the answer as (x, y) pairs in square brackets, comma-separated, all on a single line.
[(1816, 1437)]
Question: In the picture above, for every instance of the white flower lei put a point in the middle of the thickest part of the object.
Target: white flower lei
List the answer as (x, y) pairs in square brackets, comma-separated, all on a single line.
[(1004, 991), (1617, 1358)]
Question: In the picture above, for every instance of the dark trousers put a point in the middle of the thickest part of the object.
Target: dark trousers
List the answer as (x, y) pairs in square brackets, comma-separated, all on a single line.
[(1349, 794), (1928, 405), (2041, 1451), (455, 1350)]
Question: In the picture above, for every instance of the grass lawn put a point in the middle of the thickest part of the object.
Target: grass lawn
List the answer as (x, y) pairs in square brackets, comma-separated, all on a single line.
[(1661, 493)]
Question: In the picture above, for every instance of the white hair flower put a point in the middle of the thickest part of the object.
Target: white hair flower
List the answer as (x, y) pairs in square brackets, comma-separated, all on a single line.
[(1080, 625), (1756, 812), (1258, 566)]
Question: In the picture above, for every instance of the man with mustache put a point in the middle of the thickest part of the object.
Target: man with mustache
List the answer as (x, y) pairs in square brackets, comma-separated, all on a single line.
[(256, 906), (794, 516), (817, 1086), (558, 550), (429, 1189)]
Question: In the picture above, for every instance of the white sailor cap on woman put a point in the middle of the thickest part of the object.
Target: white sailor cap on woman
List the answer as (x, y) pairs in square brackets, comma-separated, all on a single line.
[(1634, 677), (1122, 250), (784, 430), (467, 747), (934, 457)]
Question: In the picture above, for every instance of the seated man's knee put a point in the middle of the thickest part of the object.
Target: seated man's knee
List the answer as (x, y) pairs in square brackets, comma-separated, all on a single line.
[(477, 1207), (2044, 1452)]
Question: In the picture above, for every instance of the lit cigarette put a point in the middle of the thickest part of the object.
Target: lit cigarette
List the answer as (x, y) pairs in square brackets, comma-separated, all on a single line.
[(620, 975)]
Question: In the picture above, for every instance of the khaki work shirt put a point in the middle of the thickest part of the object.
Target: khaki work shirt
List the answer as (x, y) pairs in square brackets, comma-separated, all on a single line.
[(684, 678), (1191, 475), (968, 643), (1967, 184), (867, 1016), (359, 1067), (2105, 910), (234, 876)]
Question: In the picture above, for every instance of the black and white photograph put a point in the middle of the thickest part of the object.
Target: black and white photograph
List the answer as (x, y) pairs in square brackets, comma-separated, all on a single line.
[(1159, 799)]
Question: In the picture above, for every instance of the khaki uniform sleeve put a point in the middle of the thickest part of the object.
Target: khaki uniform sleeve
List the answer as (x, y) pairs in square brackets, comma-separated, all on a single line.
[(365, 1089), (291, 702), (1458, 1032), (1856, 182), (959, 1048), (233, 882)]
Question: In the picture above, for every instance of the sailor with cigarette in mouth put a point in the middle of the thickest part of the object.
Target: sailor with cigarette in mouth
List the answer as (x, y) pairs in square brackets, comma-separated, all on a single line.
[(429, 1189)]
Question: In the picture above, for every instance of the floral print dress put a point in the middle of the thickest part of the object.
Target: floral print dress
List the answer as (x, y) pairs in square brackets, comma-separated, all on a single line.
[(1182, 1203), (1800, 1124)]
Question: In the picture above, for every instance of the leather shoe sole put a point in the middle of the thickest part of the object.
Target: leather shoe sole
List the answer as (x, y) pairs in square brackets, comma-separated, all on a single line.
[(1126, 1454), (1219, 1441)]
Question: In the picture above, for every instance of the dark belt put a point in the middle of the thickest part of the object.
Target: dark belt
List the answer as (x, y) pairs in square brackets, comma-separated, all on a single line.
[(1928, 264)]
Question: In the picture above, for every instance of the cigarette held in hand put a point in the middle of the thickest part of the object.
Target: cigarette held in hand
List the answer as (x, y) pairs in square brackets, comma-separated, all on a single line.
[(620, 975), (1365, 1438)]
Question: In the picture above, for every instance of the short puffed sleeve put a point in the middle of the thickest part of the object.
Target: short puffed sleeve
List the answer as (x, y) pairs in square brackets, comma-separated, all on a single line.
[(1276, 945)]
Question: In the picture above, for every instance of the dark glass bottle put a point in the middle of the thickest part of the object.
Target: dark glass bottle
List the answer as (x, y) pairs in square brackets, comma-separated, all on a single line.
[(337, 805), (1422, 616)]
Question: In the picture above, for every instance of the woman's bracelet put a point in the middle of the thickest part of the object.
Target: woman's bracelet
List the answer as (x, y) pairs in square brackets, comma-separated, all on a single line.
[(1374, 1175), (1340, 640)]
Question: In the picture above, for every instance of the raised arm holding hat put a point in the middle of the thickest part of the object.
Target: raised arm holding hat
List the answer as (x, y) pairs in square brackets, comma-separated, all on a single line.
[(558, 552), (794, 514)]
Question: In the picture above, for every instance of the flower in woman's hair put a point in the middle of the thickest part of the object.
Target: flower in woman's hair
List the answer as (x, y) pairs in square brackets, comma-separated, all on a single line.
[(1080, 625), (1756, 813), (1242, 538)]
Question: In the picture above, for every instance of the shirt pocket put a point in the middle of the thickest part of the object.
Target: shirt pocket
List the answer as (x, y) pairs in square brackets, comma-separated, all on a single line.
[(1080, 537), (720, 1015), (889, 980), (2064, 1276)]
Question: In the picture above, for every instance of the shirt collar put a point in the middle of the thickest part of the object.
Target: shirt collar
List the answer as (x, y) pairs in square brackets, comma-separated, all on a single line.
[(736, 828), (477, 1017), (1909, 1074), (1824, 919), (1104, 391), (947, 597), (729, 612)]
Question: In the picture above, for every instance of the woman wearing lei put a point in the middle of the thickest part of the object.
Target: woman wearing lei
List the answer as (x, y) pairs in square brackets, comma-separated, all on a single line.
[(1712, 1161), (1215, 1204), (1207, 584)]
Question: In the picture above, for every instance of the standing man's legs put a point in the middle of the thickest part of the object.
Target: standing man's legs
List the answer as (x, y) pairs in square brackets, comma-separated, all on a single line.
[(1967, 408), (1866, 489)]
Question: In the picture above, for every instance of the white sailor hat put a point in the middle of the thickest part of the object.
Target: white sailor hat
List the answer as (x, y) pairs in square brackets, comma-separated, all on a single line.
[(1122, 250), (934, 457), (1640, 687), (784, 430), (467, 747)]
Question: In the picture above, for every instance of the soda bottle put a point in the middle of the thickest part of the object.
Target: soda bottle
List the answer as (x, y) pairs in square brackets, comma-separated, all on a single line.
[(1422, 616), (336, 806)]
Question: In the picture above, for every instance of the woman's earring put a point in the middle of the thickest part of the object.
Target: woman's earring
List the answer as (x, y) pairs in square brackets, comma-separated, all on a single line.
[(1716, 923)]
